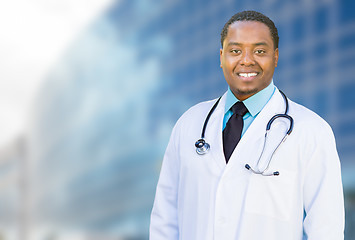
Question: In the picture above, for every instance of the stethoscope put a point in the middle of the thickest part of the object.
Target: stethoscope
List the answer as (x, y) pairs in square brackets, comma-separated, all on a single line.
[(202, 146)]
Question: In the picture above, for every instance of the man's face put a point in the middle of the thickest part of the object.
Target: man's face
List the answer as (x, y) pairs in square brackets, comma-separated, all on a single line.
[(248, 58)]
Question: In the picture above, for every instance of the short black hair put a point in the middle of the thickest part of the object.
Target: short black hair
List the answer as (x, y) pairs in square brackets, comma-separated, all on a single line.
[(252, 16)]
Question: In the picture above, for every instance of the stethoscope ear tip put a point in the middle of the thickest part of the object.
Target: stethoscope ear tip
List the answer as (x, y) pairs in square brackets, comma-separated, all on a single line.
[(247, 166)]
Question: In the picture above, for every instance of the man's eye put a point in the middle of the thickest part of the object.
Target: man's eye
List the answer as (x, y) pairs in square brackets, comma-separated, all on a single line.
[(235, 51), (259, 51)]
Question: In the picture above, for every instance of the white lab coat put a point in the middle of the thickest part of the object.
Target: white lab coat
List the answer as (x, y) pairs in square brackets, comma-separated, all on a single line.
[(200, 197)]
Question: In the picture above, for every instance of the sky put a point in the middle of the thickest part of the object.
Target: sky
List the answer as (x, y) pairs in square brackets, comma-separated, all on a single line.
[(33, 36)]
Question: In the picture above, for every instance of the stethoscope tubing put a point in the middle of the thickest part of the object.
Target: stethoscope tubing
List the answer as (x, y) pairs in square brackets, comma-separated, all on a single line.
[(208, 117), (202, 147)]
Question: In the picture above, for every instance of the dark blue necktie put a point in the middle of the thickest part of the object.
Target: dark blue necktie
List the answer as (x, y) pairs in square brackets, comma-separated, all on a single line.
[(233, 130)]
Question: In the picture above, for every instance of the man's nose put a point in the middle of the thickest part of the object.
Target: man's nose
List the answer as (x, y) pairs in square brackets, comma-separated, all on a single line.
[(247, 59)]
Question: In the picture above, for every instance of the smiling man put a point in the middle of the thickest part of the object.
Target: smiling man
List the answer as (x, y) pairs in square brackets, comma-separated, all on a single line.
[(248, 57), (237, 182)]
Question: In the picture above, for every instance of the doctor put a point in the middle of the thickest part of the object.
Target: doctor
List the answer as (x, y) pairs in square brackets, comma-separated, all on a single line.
[(241, 188)]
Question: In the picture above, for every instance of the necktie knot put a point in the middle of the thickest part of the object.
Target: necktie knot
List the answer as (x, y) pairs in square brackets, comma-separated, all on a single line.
[(239, 108)]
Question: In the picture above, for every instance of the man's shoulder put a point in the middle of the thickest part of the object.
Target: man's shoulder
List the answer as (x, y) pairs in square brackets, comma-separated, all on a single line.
[(199, 108), (307, 118), (197, 111)]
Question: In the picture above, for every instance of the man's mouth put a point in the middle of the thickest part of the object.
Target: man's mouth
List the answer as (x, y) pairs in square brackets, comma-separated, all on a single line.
[(247, 75)]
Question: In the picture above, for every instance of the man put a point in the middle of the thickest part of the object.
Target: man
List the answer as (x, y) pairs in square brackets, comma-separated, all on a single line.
[(241, 188)]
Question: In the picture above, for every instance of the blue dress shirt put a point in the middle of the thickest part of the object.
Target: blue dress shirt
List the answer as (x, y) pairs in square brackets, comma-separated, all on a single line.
[(254, 104)]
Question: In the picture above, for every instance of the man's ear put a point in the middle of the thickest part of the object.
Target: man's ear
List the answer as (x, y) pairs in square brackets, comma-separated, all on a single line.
[(220, 57), (276, 55)]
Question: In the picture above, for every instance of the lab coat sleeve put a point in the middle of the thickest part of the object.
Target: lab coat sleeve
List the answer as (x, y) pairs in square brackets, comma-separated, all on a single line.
[(323, 190), (164, 217)]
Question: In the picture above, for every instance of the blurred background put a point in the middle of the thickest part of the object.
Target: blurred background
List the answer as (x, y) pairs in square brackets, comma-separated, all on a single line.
[(90, 91)]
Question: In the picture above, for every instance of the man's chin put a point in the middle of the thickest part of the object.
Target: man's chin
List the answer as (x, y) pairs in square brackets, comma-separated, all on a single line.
[(242, 94), (247, 92)]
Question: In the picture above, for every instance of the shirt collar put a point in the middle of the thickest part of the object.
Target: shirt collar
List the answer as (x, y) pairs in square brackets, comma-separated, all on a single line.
[(255, 103)]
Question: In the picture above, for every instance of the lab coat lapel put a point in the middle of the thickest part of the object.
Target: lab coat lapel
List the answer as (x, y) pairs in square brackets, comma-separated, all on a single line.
[(214, 133), (249, 147)]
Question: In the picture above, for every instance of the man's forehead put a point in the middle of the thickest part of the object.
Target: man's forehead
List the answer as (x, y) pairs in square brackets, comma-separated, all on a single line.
[(261, 43), (250, 31), (252, 25)]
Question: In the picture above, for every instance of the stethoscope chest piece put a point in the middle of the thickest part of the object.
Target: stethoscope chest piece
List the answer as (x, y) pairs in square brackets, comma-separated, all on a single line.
[(201, 146)]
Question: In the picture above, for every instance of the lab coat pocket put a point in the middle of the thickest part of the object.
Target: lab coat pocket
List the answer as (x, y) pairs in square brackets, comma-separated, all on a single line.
[(271, 196)]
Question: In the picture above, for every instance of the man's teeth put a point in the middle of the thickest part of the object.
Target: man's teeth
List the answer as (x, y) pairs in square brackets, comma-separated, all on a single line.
[(248, 74)]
